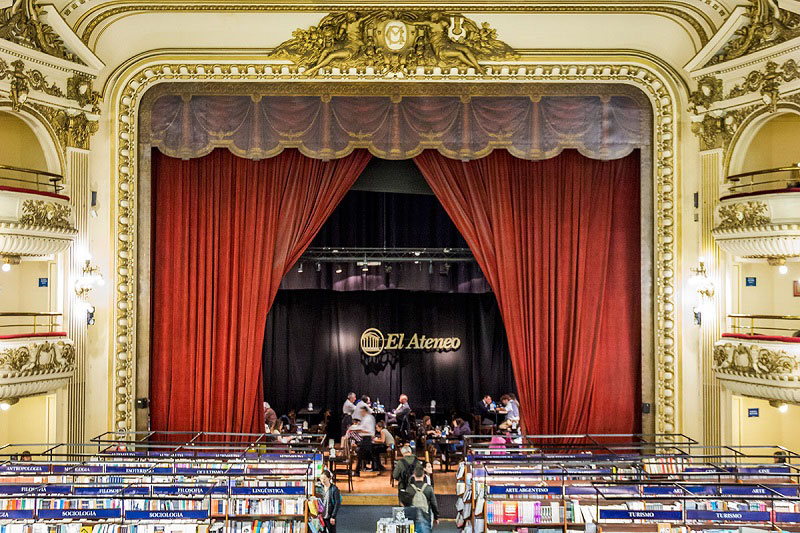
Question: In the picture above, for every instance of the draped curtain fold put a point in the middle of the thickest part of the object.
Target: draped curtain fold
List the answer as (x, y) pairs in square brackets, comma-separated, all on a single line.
[(226, 230), (558, 241)]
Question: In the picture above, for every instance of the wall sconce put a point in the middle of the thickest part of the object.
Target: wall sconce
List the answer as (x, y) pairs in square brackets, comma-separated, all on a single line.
[(779, 262), (705, 291), (8, 260), (780, 406), (90, 276), (6, 404)]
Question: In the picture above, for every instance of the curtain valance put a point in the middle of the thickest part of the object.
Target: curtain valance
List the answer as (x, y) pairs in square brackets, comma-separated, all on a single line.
[(600, 127)]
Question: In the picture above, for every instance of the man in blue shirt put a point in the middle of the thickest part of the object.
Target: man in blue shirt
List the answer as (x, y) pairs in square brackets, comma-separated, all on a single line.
[(511, 410)]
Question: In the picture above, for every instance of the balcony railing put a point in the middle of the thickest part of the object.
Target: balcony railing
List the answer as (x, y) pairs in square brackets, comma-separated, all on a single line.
[(15, 324), (30, 179), (768, 325), (767, 180)]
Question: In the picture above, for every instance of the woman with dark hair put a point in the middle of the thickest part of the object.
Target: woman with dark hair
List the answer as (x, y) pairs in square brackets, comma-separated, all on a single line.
[(331, 501)]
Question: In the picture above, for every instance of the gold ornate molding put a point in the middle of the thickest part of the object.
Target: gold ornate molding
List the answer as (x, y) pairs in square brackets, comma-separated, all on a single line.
[(72, 129), (743, 215), (80, 87), (38, 357), (129, 89), (754, 361), (45, 214), (709, 90), (767, 82), (769, 25), (394, 42), (20, 24), (22, 81)]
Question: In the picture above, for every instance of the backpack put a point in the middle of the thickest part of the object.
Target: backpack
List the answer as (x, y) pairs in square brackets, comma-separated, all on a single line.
[(405, 474), (420, 501)]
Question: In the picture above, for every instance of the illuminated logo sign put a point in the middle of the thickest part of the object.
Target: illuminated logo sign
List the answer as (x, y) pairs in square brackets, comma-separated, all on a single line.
[(374, 342)]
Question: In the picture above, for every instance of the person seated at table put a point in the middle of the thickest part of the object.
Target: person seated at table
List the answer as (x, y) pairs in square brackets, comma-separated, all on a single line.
[(365, 401), (460, 430), (278, 429), (511, 410), (270, 416), (486, 411), (429, 435), (400, 412), (382, 443)]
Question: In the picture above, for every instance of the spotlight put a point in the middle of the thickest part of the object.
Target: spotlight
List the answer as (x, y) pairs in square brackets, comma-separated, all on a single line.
[(444, 269), (783, 407), (779, 262), (338, 269), (783, 269), (365, 268), (9, 260), (388, 268), (6, 404), (6, 267), (318, 266), (300, 268), (430, 267)]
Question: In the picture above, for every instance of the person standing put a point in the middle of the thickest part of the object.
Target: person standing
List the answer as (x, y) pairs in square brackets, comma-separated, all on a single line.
[(403, 473), (331, 501), (423, 509), (366, 432), (270, 416), (348, 409)]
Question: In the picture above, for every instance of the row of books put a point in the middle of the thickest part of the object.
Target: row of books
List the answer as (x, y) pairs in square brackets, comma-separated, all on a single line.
[(276, 506), (74, 527), (17, 504), (268, 526), (166, 505), (74, 503), (523, 512)]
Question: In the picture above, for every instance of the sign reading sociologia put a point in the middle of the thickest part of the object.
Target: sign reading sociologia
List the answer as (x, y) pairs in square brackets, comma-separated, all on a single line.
[(374, 342)]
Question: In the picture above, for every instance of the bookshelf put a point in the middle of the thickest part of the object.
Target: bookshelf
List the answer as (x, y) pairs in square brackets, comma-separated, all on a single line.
[(130, 486), (525, 486)]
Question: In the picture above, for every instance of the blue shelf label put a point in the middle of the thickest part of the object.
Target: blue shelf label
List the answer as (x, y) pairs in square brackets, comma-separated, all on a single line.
[(78, 469), (622, 514), (666, 490), (209, 471), (162, 470), (626, 490), (56, 514), (784, 517), (728, 516), (111, 490), (34, 489), (166, 515), (578, 471), (507, 489), (195, 490), (764, 470), (747, 490), (16, 515), (267, 491), (26, 469)]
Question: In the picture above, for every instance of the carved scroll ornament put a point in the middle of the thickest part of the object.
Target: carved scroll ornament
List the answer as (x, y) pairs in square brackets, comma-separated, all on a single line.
[(743, 215), (753, 360), (394, 42)]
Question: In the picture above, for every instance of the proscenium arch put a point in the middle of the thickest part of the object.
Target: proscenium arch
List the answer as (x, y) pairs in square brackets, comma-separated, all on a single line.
[(660, 87), (46, 137)]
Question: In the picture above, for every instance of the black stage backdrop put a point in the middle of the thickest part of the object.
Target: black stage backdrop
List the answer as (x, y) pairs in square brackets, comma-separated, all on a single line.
[(312, 351)]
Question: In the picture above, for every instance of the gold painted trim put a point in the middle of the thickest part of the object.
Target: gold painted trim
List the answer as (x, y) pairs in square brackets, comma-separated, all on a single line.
[(100, 13), (658, 86)]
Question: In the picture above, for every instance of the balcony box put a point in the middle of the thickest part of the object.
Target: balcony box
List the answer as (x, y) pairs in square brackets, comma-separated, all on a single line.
[(35, 363), (34, 223)]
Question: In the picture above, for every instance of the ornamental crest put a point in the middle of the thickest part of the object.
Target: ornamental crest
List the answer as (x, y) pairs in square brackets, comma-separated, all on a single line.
[(743, 215), (394, 42)]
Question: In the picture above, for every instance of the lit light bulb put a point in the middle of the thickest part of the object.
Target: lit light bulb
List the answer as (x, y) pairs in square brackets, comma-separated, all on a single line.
[(783, 269), (783, 407), (5, 406), (6, 267)]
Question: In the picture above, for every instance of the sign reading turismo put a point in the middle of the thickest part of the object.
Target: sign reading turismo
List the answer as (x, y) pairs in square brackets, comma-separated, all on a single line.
[(374, 342)]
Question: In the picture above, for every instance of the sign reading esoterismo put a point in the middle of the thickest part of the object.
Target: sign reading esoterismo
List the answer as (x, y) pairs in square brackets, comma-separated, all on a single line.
[(374, 342)]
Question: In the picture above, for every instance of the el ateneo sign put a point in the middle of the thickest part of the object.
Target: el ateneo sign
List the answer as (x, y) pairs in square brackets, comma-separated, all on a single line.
[(374, 342)]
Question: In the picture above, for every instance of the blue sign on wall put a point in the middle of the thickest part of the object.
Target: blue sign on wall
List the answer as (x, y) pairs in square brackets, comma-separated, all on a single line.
[(750, 281), (752, 412), (43, 282)]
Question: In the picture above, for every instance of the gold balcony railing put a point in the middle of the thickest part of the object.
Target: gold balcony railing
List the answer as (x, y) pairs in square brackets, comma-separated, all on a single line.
[(771, 179), (780, 325), (13, 323), (27, 178)]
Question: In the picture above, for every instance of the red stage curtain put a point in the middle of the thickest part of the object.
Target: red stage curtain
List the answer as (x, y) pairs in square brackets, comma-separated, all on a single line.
[(226, 230), (558, 241)]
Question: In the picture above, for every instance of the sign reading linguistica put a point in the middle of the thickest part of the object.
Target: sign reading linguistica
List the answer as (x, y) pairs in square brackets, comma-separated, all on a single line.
[(374, 342)]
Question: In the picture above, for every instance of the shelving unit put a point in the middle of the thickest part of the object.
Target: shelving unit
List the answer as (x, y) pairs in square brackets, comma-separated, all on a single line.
[(535, 484), (130, 484)]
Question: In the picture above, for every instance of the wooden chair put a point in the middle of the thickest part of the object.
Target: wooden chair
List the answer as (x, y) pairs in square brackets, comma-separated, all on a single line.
[(480, 427), (343, 464)]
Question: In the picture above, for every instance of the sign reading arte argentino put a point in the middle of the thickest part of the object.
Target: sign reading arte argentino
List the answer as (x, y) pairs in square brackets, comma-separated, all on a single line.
[(374, 342)]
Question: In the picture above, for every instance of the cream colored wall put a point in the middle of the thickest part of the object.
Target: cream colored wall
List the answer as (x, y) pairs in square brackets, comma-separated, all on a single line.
[(32, 420), (19, 146), (770, 427), (20, 292), (773, 145)]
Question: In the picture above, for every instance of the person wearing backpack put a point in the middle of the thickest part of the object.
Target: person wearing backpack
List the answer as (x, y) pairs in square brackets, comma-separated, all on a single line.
[(423, 506), (331, 501), (403, 472)]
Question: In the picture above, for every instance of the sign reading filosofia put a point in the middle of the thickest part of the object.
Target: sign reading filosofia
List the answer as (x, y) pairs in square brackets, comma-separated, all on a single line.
[(374, 342)]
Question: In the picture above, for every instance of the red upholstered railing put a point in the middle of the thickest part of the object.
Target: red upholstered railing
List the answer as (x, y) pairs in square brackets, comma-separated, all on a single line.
[(32, 335), (765, 338), (33, 191)]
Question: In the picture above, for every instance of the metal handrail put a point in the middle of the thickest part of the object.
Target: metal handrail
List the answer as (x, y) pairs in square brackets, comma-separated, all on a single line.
[(736, 185), (53, 179), (51, 315), (753, 317)]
